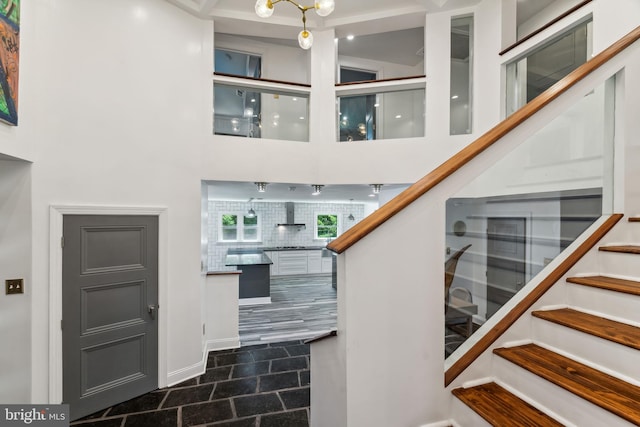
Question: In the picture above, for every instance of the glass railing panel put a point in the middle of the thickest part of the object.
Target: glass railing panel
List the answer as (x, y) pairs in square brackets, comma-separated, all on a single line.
[(506, 225), (260, 113), (536, 71), (388, 115)]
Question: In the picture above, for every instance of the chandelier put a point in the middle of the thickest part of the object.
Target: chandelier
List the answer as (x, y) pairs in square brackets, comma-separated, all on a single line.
[(264, 9)]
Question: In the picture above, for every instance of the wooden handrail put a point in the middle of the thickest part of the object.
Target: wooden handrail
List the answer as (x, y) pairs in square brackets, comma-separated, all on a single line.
[(393, 79), (256, 79), (490, 337), (545, 26), (464, 156)]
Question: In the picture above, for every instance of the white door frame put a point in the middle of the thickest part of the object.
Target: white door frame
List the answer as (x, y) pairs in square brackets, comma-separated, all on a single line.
[(56, 214)]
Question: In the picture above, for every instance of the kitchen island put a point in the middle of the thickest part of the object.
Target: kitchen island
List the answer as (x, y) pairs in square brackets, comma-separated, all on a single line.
[(255, 283)]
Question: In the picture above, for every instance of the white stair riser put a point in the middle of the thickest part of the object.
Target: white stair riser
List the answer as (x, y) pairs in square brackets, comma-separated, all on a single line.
[(619, 264), (611, 304), (623, 233), (565, 404), (615, 359), (465, 416)]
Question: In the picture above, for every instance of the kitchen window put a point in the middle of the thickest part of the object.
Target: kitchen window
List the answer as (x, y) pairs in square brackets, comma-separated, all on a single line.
[(326, 226), (237, 227)]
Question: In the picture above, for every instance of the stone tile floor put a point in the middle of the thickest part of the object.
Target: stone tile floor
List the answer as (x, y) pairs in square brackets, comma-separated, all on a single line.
[(256, 386)]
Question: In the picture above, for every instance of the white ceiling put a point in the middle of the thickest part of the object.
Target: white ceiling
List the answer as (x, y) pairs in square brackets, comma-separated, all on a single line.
[(282, 192)]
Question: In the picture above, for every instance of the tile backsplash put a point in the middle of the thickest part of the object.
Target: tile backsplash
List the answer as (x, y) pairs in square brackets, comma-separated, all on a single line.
[(270, 214)]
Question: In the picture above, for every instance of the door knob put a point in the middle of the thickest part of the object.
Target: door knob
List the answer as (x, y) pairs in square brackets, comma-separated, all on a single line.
[(151, 308)]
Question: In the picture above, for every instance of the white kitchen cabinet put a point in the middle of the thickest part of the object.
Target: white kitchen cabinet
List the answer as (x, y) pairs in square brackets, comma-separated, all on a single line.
[(314, 262), (327, 264), (292, 262)]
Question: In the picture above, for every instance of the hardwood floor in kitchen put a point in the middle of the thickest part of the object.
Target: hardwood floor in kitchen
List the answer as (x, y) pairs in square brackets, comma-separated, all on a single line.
[(301, 307)]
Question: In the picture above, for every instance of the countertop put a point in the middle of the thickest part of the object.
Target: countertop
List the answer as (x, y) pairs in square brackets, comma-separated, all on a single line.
[(292, 248), (239, 257)]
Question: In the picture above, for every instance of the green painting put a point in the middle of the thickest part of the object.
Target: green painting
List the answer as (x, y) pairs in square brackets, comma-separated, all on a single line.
[(9, 59)]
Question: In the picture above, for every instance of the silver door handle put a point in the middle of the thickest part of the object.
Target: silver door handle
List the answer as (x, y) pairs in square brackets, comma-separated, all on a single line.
[(151, 308)]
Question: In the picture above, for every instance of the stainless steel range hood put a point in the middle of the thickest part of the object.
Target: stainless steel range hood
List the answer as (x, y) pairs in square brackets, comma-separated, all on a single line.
[(290, 217)]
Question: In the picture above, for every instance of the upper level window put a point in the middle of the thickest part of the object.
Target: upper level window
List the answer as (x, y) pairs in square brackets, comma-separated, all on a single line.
[(327, 226), (279, 108), (238, 227), (530, 75), (359, 111), (238, 63), (461, 75), (393, 54)]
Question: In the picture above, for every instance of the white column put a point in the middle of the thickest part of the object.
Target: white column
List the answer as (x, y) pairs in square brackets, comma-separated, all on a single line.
[(322, 123)]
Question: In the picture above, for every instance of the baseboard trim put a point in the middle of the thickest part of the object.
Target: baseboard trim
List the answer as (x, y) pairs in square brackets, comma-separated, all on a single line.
[(222, 344), (445, 423), (197, 369), (254, 301)]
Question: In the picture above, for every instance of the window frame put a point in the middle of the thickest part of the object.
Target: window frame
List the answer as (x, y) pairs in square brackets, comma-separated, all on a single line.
[(316, 227), (240, 230)]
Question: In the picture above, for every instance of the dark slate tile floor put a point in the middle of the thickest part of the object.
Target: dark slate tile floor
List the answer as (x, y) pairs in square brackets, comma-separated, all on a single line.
[(257, 386)]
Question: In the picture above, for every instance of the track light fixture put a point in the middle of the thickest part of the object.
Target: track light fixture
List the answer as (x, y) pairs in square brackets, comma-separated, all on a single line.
[(264, 9), (317, 189), (262, 186), (376, 188)]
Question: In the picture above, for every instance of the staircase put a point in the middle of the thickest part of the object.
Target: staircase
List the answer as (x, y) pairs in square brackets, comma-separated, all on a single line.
[(582, 366)]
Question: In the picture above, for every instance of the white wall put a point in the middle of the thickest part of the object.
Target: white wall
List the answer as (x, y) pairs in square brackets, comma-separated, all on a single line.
[(121, 113), (15, 263)]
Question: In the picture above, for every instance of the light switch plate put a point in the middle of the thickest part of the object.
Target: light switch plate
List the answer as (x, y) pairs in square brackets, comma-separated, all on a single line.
[(14, 286)]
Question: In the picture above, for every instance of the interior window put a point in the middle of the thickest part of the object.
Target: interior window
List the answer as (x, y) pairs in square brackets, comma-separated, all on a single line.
[(357, 113), (238, 63)]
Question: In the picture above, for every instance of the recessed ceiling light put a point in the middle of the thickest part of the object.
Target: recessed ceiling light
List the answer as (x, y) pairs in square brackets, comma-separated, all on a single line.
[(399, 116), (350, 37), (301, 118), (454, 97)]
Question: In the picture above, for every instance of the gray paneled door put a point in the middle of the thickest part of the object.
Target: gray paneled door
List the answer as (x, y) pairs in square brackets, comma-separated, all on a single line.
[(109, 309)]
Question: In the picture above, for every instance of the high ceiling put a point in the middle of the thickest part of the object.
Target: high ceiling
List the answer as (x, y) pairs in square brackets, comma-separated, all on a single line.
[(356, 17)]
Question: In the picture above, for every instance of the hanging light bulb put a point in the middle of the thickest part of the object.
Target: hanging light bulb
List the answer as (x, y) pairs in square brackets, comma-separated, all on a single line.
[(305, 39), (325, 7), (264, 8)]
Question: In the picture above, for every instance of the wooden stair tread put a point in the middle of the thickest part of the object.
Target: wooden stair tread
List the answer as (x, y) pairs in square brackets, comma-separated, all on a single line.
[(634, 219), (625, 249), (609, 283), (501, 408), (601, 327), (606, 391)]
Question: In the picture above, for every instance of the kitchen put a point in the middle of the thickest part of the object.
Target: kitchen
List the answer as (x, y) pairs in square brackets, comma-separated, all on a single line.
[(276, 234)]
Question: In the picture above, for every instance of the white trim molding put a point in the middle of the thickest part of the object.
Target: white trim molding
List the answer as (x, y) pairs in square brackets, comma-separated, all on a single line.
[(56, 216)]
